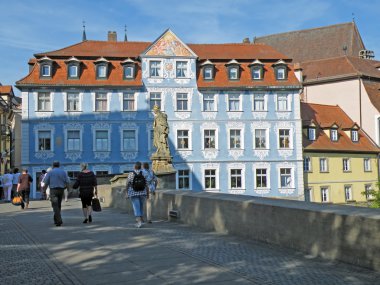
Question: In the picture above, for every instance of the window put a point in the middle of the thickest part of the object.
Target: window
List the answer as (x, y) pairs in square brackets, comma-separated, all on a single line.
[(323, 165), (73, 140), (101, 172), (234, 102), (282, 102), (280, 73), (368, 191), (367, 164), (44, 140), (307, 164), (73, 71), (73, 174), (46, 70), (155, 100), (235, 139), (257, 72), (311, 134), (128, 102), (209, 139), (101, 71), (259, 102), (236, 179), (183, 179), (129, 140), (284, 138), (210, 179), (151, 137), (209, 102), (129, 71), (155, 68), (354, 135), (261, 139), (182, 139), (100, 102), (346, 165), (182, 102), (72, 102), (181, 69), (334, 135), (348, 192), (261, 178), (233, 73), (308, 194), (324, 194), (44, 102), (101, 140), (285, 177), (208, 73)]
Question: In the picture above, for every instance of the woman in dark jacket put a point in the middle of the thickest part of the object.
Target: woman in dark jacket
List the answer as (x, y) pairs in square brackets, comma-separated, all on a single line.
[(86, 181)]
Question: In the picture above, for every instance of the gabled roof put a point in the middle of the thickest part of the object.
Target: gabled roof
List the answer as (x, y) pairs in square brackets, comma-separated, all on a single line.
[(328, 115), (317, 43), (339, 68), (6, 89), (373, 91)]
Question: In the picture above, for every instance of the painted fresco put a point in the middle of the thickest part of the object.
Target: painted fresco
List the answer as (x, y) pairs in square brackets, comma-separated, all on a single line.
[(169, 45)]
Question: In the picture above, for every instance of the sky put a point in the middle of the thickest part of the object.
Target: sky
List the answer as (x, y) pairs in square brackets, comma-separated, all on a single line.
[(36, 26)]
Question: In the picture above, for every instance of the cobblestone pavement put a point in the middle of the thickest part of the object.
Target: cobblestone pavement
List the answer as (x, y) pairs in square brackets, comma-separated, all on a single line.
[(112, 251)]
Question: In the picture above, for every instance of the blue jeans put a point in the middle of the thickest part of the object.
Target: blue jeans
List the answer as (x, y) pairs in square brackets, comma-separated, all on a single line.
[(138, 205)]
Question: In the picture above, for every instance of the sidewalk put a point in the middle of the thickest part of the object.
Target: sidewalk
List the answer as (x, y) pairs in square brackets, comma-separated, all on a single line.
[(111, 251)]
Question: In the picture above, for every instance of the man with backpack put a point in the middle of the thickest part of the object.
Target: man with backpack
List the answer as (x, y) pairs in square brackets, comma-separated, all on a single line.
[(151, 179), (137, 191)]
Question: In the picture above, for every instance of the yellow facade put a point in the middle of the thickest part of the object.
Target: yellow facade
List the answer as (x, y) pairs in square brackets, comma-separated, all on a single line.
[(331, 185)]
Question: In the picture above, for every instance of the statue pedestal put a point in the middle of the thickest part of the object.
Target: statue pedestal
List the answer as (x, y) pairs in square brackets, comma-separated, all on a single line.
[(162, 164)]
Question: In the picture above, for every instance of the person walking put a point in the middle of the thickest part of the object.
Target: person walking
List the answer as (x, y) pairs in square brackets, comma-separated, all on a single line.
[(57, 180), (151, 180), (137, 192), (23, 188), (7, 185), (86, 181), (41, 184), (16, 175)]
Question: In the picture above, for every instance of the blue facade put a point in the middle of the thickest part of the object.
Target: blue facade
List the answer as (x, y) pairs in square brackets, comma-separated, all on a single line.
[(231, 140)]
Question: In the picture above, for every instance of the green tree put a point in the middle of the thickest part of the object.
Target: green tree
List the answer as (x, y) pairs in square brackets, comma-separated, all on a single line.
[(375, 196)]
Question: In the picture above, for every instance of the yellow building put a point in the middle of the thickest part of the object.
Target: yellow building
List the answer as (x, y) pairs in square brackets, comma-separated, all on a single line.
[(340, 160)]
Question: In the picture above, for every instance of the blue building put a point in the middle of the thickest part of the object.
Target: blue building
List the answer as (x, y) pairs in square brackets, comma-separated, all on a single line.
[(233, 112)]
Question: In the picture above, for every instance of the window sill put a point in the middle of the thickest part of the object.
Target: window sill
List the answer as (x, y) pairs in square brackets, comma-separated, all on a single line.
[(182, 111), (260, 111), (44, 111), (238, 111), (68, 111)]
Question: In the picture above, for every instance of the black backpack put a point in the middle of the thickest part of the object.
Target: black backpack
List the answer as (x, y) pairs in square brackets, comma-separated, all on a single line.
[(139, 182)]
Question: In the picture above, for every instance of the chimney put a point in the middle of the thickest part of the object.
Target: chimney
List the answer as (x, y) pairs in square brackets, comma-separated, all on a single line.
[(246, 41), (298, 72), (112, 36)]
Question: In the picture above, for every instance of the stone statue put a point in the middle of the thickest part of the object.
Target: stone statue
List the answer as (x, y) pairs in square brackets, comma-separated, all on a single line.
[(161, 132)]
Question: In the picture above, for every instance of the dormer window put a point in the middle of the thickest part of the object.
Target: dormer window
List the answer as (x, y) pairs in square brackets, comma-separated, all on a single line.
[(334, 135), (73, 68), (233, 68), (311, 133), (280, 70), (208, 70), (46, 66), (354, 135), (101, 68), (257, 70), (129, 67)]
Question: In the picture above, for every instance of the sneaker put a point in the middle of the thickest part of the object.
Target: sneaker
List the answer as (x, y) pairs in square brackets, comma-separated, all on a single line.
[(89, 219), (138, 225), (85, 221)]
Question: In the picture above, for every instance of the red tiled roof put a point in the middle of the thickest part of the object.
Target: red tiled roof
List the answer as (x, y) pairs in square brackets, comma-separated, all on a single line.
[(338, 68), (373, 90), (6, 89), (327, 115), (318, 43)]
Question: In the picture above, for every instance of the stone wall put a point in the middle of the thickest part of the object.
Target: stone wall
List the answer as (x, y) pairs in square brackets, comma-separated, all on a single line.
[(334, 232)]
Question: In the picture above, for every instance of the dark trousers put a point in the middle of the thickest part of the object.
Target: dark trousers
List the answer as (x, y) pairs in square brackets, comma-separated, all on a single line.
[(56, 195)]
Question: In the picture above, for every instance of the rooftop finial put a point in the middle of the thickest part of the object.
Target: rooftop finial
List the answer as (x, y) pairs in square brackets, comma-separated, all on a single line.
[(125, 33), (84, 38), (353, 18)]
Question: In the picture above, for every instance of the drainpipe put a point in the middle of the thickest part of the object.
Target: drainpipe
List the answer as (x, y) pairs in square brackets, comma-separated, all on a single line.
[(360, 101)]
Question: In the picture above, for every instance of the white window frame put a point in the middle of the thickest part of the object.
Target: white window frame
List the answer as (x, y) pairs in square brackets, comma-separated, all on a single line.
[(79, 106), (132, 99), (281, 98), (108, 140), (232, 98), (155, 66), (122, 130), (216, 138), (106, 98), (184, 101), (355, 135), (281, 75), (263, 98), (323, 165), (290, 137), (346, 164), (50, 139), (181, 176), (47, 95), (266, 138), (334, 135), (216, 175), (205, 98), (311, 133), (280, 175), (256, 70), (367, 188), (67, 140), (325, 194), (231, 176), (267, 175), (155, 100), (178, 147), (208, 75), (348, 190), (307, 164), (48, 74), (69, 67), (101, 67), (184, 70), (367, 164), (131, 68), (233, 72), (241, 137)]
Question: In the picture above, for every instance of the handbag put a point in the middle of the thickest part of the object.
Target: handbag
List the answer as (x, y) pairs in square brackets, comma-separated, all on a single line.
[(17, 201), (96, 205)]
